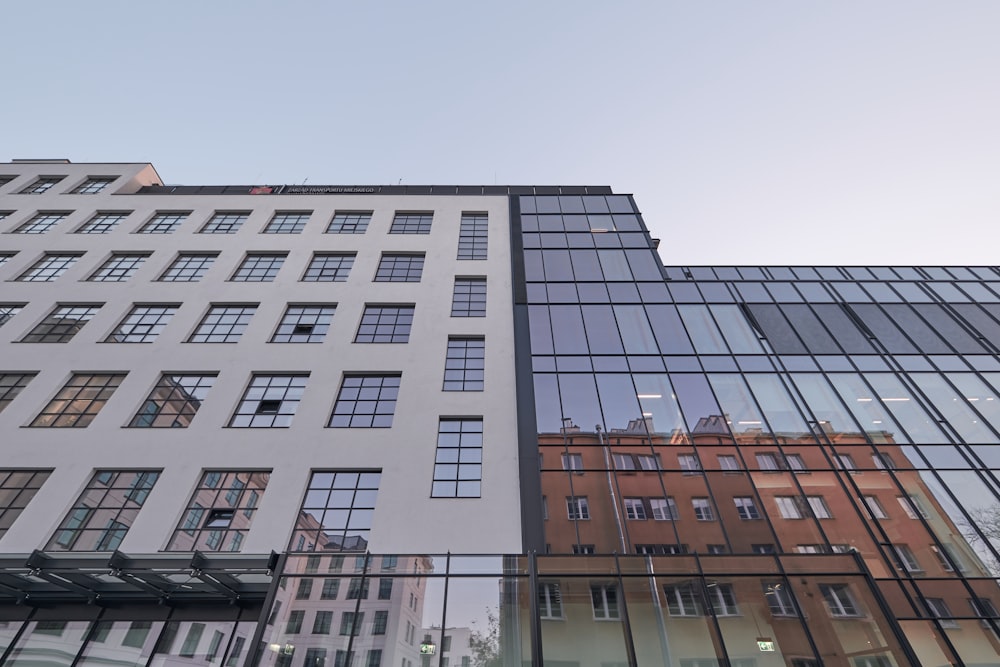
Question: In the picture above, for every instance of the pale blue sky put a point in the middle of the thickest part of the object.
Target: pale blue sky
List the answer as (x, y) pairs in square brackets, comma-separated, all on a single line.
[(750, 132)]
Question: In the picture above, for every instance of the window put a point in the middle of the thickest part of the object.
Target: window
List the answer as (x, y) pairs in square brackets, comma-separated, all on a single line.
[(350, 623), (61, 324), (304, 589), (623, 461), (225, 222), (703, 509), (385, 589), (883, 461), (472, 236), (469, 298), (577, 508), (366, 401), (819, 507), (315, 657), (220, 512), (336, 512), (795, 463), (399, 268), (948, 559), (270, 401), (912, 506), (682, 600), (164, 222), (458, 462), (258, 268), (11, 385), (790, 507), (331, 588), (723, 599), (137, 633), (728, 463), (77, 403), (288, 222), (634, 509), (572, 462), (329, 267), (304, 324), (93, 185), (358, 588), (418, 222), (763, 549), (811, 549), (983, 608), (375, 658), (873, 661), (389, 562), (42, 222), (294, 624), (905, 559), (549, 601), (768, 462), (465, 364), (345, 658), (191, 640), (689, 464), (664, 509), (839, 600), (40, 185), (380, 623), (845, 462), (938, 608), (48, 268), (384, 323), (875, 507), (583, 549), (17, 488), (101, 516), (779, 599), (103, 222), (188, 268), (223, 324), (649, 462), (745, 508), (349, 222), (173, 402), (604, 599), (142, 325), (322, 622), (119, 268)]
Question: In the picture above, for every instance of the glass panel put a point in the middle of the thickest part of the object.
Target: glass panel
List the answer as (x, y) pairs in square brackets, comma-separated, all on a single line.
[(700, 409), (701, 327), (124, 644), (832, 417), (591, 629), (568, 333), (659, 404), (580, 406), (602, 331), (739, 334), (955, 409), (738, 406), (586, 265), (48, 644), (635, 330), (949, 329), (619, 403), (883, 328), (921, 427), (614, 264), (810, 330), (782, 414), (872, 415), (669, 331), (776, 328), (918, 331), (540, 331)]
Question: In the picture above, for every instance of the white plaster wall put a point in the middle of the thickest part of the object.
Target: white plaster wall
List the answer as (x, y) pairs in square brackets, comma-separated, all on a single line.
[(406, 520)]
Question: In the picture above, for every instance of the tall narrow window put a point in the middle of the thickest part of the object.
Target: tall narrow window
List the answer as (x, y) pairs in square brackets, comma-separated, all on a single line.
[(61, 324), (605, 601), (42, 222), (48, 268), (469, 298), (76, 404), (385, 323), (258, 267), (288, 222), (103, 222), (472, 236), (304, 324), (400, 268), (349, 222), (102, 515), (465, 364), (11, 385), (223, 324), (17, 488), (119, 268), (219, 515), (458, 464), (173, 402), (549, 601), (164, 222), (337, 511), (225, 222), (270, 401), (188, 268), (366, 401), (143, 324), (329, 267), (411, 223)]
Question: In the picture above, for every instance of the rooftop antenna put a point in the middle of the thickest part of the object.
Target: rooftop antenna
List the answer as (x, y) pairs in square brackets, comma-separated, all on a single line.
[(399, 182), (305, 180)]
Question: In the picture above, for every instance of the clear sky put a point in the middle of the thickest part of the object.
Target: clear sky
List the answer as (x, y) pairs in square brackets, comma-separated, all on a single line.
[(750, 132)]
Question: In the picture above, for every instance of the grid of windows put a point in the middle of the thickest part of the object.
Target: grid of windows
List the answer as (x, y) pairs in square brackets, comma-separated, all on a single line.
[(165, 222), (223, 324), (337, 511), (93, 185), (220, 511), (61, 324), (225, 222), (458, 463), (174, 401), (119, 268), (259, 268), (465, 364), (469, 298), (349, 222), (399, 268), (107, 508), (382, 323), (288, 222), (143, 324), (11, 385), (17, 488), (411, 223), (329, 267), (42, 222), (8, 311), (103, 222), (188, 268), (304, 324), (472, 236), (366, 401), (270, 401), (48, 268), (41, 185), (77, 403)]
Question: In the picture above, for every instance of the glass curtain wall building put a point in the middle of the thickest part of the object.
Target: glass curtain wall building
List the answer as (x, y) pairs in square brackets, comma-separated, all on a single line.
[(455, 426)]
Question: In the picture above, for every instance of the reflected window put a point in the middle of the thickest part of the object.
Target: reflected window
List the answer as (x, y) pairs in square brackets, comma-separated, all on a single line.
[(336, 512), (875, 508), (270, 401), (839, 600), (683, 600), (689, 464), (173, 402), (349, 222), (188, 268), (703, 509), (723, 599), (634, 509), (11, 385), (102, 515), (304, 324), (938, 608), (61, 324), (577, 508), (366, 401), (728, 463), (664, 509), (143, 324), (17, 488), (119, 268), (745, 508), (604, 598), (223, 324), (79, 402), (572, 462), (48, 268), (220, 512), (779, 599), (905, 558), (549, 601)]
